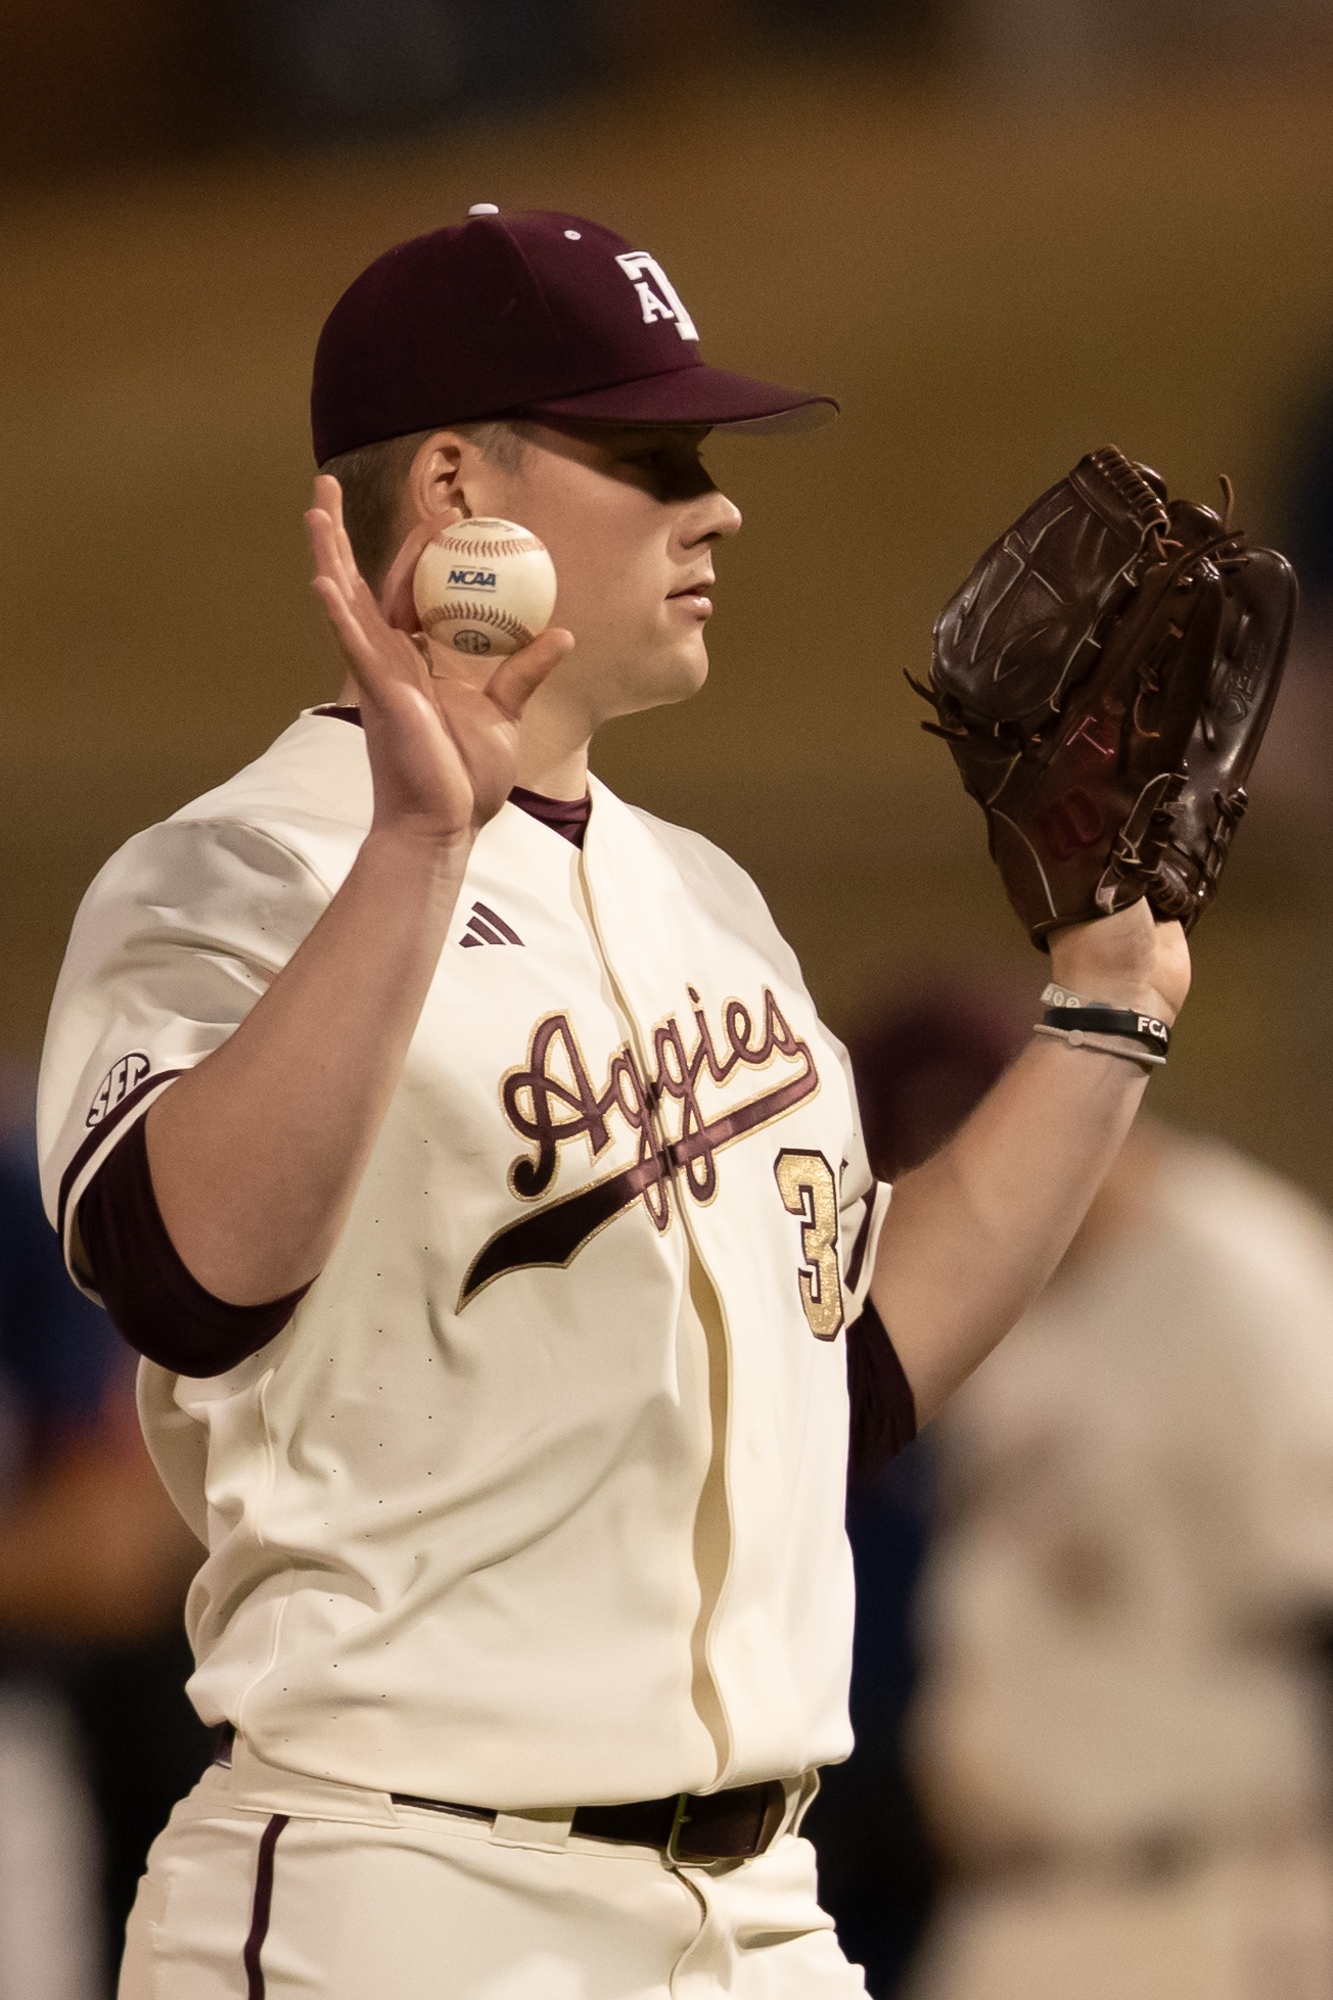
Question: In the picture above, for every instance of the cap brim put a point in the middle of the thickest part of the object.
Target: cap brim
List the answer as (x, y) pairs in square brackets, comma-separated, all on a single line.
[(697, 395)]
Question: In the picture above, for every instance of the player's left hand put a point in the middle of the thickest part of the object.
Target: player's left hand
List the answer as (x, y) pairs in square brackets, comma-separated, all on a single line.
[(1130, 959)]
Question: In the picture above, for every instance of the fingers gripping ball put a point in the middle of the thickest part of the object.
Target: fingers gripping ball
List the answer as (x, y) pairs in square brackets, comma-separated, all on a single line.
[(484, 587)]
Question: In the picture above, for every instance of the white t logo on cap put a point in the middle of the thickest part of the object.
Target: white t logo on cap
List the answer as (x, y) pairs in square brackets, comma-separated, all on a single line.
[(665, 302)]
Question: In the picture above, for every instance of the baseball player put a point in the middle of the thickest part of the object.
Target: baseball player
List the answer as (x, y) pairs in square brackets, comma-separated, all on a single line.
[(460, 1147), (1121, 1729)]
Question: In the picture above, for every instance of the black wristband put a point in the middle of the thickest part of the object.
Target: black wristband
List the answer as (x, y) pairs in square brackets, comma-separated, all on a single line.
[(1123, 1021)]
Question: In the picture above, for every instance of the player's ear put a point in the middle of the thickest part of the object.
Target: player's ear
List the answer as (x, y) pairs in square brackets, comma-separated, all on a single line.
[(436, 479)]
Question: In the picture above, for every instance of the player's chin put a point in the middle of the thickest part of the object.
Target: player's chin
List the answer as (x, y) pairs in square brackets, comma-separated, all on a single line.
[(659, 671), (662, 674), (685, 670)]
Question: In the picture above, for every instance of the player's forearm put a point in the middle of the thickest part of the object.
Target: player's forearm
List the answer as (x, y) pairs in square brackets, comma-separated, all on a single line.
[(256, 1155), (972, 1237)]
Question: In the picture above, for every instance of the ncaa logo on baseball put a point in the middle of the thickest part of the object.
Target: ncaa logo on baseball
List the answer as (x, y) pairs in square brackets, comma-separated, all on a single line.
[(473, 579), (122, 1077)]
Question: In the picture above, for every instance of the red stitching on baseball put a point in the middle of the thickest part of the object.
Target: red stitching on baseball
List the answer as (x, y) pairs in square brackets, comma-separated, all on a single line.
[(488, 551), (477, 614)]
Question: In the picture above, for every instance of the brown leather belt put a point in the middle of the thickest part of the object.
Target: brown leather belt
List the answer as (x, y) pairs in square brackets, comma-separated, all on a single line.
[(688, 1826)]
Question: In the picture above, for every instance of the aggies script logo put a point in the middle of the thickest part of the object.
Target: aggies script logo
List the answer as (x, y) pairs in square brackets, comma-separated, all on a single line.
[(551, 1102)]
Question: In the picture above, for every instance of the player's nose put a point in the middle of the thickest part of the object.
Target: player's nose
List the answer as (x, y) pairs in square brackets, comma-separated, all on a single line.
[(711, 517)]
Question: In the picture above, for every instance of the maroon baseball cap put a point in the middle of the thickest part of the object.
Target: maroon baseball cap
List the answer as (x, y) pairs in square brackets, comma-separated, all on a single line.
[(537, 313)]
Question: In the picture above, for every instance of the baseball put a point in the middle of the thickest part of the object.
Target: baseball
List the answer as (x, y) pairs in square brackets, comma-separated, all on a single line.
[(484, 587)]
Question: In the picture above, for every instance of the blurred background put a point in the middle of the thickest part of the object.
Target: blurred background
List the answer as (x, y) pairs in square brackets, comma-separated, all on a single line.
[(1002, 232)]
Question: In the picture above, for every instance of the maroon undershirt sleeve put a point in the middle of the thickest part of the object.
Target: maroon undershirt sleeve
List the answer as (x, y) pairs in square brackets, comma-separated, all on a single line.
[(162, 1310), (883, 1406)]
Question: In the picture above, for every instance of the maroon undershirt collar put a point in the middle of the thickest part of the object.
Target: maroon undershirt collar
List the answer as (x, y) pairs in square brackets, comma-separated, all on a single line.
[(567, 817)]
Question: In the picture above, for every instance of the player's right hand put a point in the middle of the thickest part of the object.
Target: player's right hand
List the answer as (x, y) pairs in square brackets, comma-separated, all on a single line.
[(441, 730)]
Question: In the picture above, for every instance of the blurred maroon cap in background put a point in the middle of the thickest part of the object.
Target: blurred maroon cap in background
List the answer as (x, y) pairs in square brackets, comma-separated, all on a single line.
[(925, 1063)]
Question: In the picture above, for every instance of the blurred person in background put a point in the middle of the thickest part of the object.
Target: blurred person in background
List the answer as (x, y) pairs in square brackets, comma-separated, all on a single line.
[(1121, 1733), (96, 1738)]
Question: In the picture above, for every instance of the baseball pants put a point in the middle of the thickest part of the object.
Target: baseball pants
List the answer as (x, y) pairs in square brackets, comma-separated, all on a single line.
[(266, 1886)]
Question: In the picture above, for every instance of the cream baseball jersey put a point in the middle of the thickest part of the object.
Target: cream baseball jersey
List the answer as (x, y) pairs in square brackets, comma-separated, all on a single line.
[(538, 1497)]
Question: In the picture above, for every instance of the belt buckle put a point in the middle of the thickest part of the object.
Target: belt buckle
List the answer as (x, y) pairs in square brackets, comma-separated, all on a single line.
[(678, 1820), (770, 1819)]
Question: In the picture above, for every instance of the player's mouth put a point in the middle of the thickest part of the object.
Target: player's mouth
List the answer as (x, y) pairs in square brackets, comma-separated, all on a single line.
[(694, 597)]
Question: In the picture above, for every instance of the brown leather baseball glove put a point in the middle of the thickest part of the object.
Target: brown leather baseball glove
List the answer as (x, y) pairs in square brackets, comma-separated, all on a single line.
[(1104, 679)]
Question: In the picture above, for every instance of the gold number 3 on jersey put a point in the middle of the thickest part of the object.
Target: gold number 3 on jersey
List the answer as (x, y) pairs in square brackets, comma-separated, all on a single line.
[(805, 1182)]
